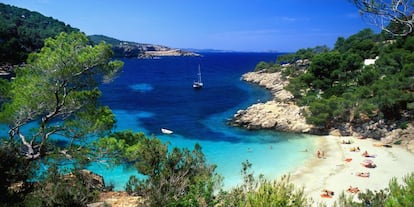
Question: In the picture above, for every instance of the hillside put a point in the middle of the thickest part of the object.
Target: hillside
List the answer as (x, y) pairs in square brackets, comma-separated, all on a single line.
[(140, 50), (362, 87), (23, 31)]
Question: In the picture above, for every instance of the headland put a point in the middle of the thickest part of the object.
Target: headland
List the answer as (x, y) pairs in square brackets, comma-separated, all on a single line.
[(283, 114), (340, 165)]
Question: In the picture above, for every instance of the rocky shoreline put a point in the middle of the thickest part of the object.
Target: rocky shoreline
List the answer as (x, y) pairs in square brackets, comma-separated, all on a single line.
[(279, 114), (147, 51), (282, 114), (129, 49)]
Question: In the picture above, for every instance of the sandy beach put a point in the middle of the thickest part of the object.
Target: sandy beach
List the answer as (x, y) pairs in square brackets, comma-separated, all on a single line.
[(338, 170)]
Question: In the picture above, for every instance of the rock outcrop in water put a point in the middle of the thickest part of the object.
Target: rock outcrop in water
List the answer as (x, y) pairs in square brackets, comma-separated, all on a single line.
[(279, 114)]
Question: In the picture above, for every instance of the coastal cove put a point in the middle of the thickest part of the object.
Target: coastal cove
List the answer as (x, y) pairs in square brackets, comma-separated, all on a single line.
[(88, 119), (151, 94)]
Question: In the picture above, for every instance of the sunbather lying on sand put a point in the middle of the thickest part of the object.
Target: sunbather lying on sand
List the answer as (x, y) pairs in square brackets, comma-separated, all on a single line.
[(354, 149), (327, 193), (381, 145), (366, 154), (369, 165), (353, 189), (363, 174)]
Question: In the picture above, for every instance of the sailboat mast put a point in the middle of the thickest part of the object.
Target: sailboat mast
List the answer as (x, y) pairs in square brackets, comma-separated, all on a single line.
[(199, 74), (198, 84)]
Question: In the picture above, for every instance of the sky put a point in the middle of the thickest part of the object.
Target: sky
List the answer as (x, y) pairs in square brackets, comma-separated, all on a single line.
[(239, 25)]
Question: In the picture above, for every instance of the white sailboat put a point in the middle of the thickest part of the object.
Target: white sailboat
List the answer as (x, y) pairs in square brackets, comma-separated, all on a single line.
[(198, 84)]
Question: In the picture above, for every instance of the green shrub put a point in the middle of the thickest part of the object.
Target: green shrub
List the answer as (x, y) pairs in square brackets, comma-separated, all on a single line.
[(261, 192), (61, 190)]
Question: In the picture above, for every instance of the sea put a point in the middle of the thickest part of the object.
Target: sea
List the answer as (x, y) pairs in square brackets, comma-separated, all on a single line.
[(150, 94)]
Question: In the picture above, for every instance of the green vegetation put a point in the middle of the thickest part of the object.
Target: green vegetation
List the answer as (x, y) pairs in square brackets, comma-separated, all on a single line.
[(102, 38), (57, 189), (23, 31), (339, 88), (268, 67), (261, 192), (121, 48), (13, 169), (55, 94), (59, 84), (177, 178)]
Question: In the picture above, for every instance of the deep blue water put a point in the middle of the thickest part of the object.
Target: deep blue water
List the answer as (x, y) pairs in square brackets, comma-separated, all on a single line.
[(151, 94), (161, 90)]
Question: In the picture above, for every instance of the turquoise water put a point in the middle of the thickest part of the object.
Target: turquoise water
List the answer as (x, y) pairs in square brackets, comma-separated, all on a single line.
[(154, 94), (272, 154)]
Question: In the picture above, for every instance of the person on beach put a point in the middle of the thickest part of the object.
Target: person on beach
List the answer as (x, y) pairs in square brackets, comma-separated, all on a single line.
[(327, 193), (366, 154), (369, 165), (363, 174), (354, 149), (318, 154), (353, 189)]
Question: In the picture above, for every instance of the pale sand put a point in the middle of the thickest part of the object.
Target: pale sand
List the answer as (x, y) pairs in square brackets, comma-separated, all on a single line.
[(335, 174)]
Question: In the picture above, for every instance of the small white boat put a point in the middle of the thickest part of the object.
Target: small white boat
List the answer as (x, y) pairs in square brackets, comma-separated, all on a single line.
[(166, 131), (198, 84)]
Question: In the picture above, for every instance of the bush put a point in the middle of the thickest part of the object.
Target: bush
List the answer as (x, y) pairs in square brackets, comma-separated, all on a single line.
[(61, 190), (403, 125), (261, 192), (13, 170), (179, 177)]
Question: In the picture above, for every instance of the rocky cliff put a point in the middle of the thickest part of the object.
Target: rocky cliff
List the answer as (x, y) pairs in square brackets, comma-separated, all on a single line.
[(279, 114), (130, 49), (139, 50)]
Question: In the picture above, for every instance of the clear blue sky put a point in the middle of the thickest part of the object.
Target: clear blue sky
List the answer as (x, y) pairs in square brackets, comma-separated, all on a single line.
[(242, 25)]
